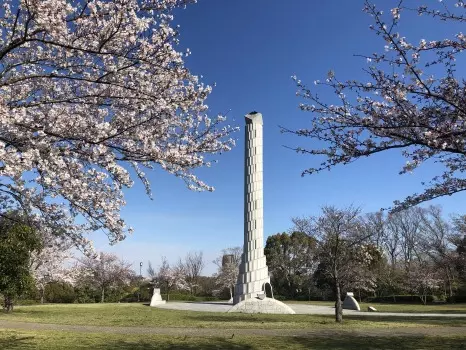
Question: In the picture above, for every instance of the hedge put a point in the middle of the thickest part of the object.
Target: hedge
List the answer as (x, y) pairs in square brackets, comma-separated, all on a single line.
[(457, 299), (187, 297), (400, 299)]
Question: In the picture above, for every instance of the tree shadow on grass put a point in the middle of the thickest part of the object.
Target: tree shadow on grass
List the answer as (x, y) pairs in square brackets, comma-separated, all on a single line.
[(374, 343), (436, 321), (176, 343), (334, 342), (14, 342)]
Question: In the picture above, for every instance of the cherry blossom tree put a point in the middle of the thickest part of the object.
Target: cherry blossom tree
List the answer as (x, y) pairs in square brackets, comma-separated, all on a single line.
[(168, 277), (228, 268), (191, 268), (343, 251), (423, 279), (49, 264), (412, 100), (103, 272), (90, 89)]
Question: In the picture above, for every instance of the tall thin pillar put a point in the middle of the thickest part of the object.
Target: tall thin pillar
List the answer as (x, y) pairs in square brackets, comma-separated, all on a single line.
[(253, 273)]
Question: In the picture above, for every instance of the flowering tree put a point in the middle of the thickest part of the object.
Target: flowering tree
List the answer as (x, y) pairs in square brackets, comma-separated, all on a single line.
[(405, 104), (103, 272), (423, 279), (228, 268), (168, 277), (343, 252), (89, 88), (191, 268), (48, 264)]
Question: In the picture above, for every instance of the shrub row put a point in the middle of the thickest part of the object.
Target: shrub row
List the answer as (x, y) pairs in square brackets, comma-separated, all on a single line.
[(457, 299), (187, 297), (400, 299)]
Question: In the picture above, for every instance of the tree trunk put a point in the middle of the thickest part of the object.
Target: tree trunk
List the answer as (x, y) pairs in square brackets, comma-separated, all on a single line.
[(231, 292), (449, 279), (42, 295), (8, 303), (102, 300), (338, 304)]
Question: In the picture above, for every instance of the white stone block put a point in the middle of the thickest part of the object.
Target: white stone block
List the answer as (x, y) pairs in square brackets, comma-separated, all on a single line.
[(156, 298), (350, 303)]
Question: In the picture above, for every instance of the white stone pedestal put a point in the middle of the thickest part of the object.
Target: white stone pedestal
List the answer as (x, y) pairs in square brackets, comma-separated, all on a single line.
[(262, 306), (156, 298)]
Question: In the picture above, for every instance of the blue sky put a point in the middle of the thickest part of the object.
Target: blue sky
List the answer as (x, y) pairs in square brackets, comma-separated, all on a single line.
[(250, 49)]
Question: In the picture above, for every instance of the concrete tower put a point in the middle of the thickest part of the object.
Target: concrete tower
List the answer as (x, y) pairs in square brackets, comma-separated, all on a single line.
[(253, 273)]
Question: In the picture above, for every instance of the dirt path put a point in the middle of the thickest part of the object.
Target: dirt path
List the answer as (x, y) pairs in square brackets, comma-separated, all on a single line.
[(211, 332)]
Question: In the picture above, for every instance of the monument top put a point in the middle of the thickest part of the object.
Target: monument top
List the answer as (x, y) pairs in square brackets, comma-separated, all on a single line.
[(254, 117)]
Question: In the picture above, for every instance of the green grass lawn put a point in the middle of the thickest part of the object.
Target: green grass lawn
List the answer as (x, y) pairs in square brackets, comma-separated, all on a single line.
[(54, 340), (140, 315), (410, 308), (354, 333)]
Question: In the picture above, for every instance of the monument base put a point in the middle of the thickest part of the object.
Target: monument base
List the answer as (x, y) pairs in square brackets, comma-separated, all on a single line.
[(264, 306), (157, 302), (156, 298)]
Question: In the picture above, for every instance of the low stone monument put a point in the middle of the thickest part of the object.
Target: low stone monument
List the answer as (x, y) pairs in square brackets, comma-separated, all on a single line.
[(262, 305), (371, 309), (156, 298), (350, 303)]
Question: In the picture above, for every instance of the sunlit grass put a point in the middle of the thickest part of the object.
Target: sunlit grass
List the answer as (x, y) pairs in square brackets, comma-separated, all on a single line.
[(143, 316), (55, 340)]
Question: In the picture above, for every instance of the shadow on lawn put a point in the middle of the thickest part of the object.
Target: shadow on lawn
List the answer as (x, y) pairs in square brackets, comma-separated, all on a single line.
[(316, 343), (16, 342), (373, 343), (436, 321), (178, 343), (336, 342)]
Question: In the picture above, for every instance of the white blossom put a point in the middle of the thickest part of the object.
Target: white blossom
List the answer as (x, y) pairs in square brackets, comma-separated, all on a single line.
[(87, 89)]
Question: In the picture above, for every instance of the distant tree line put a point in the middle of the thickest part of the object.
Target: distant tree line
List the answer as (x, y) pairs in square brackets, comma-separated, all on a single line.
[(414, 255), (411, 255)]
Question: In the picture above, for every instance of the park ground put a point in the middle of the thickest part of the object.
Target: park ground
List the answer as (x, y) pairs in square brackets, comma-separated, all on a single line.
[(134, 326)]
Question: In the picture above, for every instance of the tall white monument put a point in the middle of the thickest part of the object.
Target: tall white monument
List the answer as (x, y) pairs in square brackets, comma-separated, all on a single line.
[(253, 272)]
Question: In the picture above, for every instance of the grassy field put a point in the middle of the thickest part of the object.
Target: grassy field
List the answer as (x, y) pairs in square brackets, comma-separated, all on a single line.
[(286, 330), (28, 340), (140, 315), (411, 308)]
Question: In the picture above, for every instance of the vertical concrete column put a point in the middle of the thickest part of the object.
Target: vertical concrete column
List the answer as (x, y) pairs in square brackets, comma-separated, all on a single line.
[(253, 272)]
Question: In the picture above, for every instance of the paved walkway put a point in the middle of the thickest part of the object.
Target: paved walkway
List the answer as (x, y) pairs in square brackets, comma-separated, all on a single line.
[(298, 308), (218, 332)]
